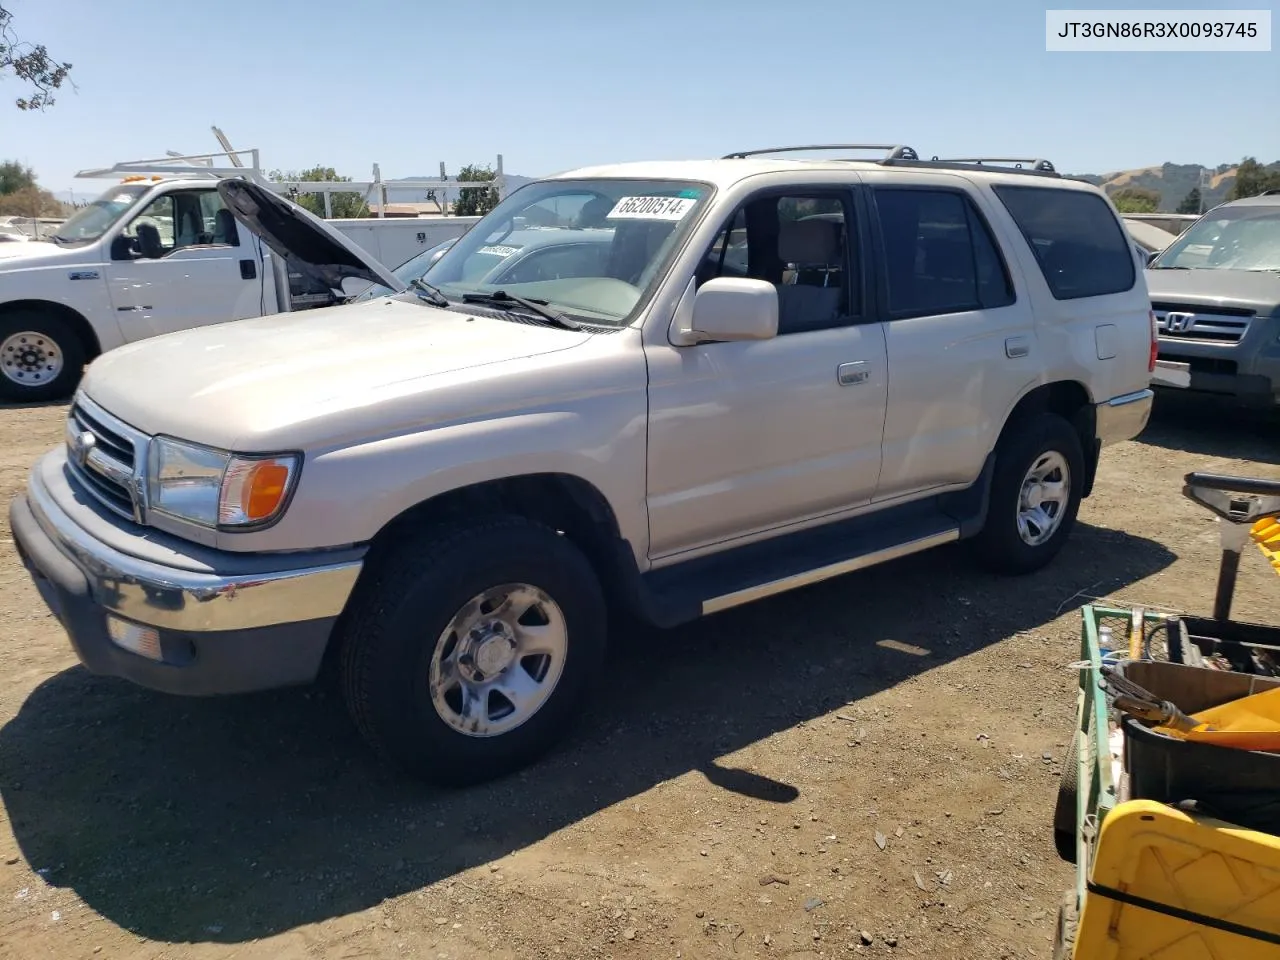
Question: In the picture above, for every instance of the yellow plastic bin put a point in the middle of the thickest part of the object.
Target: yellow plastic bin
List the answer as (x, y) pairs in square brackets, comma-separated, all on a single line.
[(1167, 885)]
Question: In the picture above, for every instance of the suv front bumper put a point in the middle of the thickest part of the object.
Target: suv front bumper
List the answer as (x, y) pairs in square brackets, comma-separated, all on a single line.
[(207, 622)]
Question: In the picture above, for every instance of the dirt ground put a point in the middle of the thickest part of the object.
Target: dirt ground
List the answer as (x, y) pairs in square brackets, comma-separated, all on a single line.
[(866, 767)]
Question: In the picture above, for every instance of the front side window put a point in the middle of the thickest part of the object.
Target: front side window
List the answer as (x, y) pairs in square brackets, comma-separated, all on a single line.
[(805, 245), (175, 221), (1079, 244), (1246, 237), (939, 255), (591, 249)]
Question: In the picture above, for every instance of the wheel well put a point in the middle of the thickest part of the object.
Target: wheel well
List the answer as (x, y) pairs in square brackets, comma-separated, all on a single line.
[(1069, 400), (563, 502), (77, 322)]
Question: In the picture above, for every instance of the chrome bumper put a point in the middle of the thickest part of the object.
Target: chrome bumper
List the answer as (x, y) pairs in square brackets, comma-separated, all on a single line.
[(1123, 417), (300, 588)]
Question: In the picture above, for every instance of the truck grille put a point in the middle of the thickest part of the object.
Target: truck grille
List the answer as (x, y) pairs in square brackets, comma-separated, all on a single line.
[(1178, 321), (101, 456)]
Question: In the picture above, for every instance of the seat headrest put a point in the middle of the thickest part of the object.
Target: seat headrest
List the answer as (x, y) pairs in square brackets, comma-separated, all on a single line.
[(809, 242)]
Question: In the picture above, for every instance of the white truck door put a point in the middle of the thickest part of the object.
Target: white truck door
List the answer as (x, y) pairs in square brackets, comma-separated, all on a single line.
[(960, 336), (183, 261), (749, 436)]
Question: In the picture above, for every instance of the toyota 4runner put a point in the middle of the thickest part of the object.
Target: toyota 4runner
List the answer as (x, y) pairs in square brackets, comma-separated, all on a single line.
[(774, 371)]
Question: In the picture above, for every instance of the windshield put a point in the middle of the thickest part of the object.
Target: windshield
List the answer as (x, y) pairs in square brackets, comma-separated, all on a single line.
[(92, 221), (1232, 238), (412, 269), (590, 249)]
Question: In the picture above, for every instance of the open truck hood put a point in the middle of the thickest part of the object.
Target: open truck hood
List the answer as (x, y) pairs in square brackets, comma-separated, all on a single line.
[(308, 243)]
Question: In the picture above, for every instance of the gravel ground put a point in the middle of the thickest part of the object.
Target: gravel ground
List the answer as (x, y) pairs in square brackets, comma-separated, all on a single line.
[(864, 767)]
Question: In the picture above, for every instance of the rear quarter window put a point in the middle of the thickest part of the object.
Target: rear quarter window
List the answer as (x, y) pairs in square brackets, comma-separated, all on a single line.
[(1078, 242)]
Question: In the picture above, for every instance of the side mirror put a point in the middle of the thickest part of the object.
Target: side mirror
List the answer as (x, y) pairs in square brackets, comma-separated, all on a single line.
[(734, 308), (121, 248)]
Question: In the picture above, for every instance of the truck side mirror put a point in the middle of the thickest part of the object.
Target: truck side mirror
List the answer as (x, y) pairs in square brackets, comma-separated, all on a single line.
[(735, 308), (122, 248)]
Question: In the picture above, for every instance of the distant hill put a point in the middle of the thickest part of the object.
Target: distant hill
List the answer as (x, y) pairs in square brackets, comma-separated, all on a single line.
[(1173, 181)]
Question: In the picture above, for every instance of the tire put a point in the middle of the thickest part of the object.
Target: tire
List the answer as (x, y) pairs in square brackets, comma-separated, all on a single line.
[(1064, 940), (1064, 808), (407, 660), (1045, 440), (42, 349)]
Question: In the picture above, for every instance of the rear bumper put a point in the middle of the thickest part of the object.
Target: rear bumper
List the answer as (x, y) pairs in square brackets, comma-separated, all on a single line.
[(1123, 417), (212, 632)]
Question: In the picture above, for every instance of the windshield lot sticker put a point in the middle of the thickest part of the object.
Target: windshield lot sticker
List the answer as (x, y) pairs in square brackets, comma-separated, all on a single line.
[(651, 208), (499, 251)]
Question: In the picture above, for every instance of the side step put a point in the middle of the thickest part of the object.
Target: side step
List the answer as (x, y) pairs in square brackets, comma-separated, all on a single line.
[(686, 591)]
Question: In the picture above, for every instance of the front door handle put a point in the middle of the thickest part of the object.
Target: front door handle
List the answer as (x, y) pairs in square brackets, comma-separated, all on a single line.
[(1017, 347), (855, 371)]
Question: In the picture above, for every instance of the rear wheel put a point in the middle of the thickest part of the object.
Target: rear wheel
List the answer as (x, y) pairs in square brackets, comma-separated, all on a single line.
[(41, 356), (1035, 495), (467, 653)]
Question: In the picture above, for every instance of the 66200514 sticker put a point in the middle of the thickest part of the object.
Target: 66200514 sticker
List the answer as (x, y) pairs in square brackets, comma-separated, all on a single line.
[(651, 208)]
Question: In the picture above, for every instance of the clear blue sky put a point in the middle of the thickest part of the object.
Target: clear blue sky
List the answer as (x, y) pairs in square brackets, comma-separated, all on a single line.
[(561, 83)]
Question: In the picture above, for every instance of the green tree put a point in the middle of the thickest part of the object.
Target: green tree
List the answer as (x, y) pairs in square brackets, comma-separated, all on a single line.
[(30, 63), (475, 203), (344, 205), (1252, 178), (1136, 200), (31, 201), (1191, 202), (14, 177)]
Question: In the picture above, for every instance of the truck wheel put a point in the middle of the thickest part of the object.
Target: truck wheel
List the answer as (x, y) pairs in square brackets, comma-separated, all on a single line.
[(41, 357), (1035, 495), (467, 653)]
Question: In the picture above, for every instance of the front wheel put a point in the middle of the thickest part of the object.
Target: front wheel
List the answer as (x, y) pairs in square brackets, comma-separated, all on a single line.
[(41, 357), (1035, 495), (467, 653)]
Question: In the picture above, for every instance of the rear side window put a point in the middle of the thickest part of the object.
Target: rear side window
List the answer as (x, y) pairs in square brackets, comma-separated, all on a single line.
[(1078, 242), (939, 255)]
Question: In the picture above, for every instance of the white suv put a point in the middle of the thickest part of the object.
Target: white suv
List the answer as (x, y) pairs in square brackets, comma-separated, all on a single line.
[(779, 371)]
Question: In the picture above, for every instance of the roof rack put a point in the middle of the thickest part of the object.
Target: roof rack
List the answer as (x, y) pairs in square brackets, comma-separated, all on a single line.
[(895, 151), (1038, 164)]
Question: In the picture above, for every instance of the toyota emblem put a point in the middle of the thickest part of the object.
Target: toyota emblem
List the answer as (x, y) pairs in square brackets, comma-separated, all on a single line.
[(81, 444)]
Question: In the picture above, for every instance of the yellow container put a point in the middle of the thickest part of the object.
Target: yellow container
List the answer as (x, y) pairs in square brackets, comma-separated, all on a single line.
[(1266, 534), (1167, 885)]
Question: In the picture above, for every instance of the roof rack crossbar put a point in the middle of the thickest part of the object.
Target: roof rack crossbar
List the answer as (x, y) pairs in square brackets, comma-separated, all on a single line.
[(1034, 163), (894, 151)]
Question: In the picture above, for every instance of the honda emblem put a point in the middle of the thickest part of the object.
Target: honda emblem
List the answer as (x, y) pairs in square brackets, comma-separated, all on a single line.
[(1179, 322)]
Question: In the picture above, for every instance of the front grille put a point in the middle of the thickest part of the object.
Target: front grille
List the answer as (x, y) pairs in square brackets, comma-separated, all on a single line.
[(104, 469), (1177, 321)]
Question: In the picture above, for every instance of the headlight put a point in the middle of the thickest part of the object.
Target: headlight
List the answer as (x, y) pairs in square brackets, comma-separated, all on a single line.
[(215, 488)]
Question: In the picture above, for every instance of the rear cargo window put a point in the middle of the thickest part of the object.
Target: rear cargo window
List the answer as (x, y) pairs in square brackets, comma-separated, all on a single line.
[(1078, 242)]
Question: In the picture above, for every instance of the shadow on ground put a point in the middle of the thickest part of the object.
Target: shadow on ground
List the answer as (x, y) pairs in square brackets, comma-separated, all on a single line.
[(1213, 427), (226, 820)]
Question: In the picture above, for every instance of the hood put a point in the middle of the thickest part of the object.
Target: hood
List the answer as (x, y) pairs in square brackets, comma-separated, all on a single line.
[(310, 245), (294, 380), (1247, 289), (23, 254)]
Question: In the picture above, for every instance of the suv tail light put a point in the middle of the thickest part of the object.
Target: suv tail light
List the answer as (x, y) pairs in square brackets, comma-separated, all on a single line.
[(1155, 344)]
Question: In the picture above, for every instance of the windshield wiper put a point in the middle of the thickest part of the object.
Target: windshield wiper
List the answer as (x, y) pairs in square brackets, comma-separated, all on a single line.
[(429, 293), (540, 307)]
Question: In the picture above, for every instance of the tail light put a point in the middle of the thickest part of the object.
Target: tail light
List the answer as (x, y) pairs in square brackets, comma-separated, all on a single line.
[(1155, 344)]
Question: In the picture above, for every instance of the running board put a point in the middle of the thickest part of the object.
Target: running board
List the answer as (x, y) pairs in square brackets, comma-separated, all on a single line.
[(839, 569), (682, 592)]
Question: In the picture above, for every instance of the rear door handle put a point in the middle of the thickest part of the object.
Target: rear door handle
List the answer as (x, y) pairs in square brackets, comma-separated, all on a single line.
[(1016, 347), (855, 371)]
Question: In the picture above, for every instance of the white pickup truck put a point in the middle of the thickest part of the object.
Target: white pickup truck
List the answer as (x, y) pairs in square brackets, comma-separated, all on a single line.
[(769, 372), (153, 256)]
